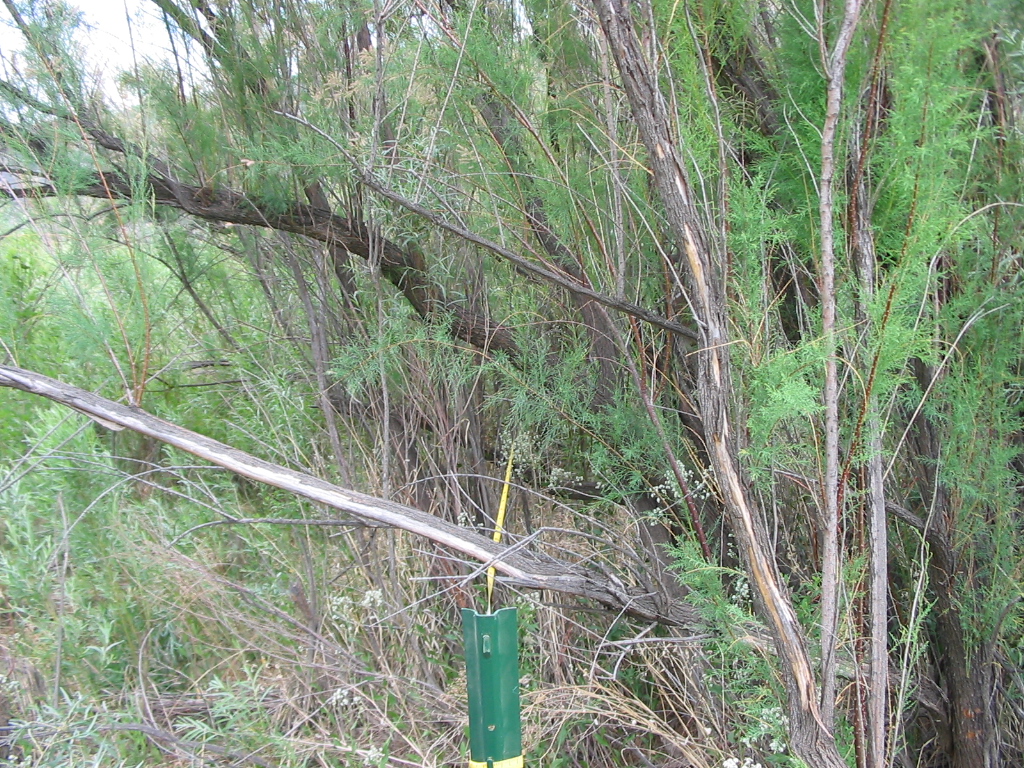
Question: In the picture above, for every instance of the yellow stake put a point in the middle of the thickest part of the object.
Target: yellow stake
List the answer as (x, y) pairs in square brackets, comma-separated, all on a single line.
[(498, 524)]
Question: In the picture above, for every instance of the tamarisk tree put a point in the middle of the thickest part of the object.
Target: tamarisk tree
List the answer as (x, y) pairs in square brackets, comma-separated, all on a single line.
[(740, 285)]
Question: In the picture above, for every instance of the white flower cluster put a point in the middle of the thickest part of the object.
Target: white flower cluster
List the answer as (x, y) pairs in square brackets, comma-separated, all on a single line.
[(670, 490), (342, 697), (343, 608), (734, 762), (373, 756), (525, 446), (776, 716), (340, 607), (771, 722), (561, 478), (741, 593)]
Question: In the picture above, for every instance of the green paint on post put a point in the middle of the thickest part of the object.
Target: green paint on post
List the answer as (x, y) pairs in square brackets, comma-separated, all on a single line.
[(492, 678)]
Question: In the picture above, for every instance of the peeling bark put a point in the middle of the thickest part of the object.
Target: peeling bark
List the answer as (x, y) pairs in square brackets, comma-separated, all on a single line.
[(811, 739)]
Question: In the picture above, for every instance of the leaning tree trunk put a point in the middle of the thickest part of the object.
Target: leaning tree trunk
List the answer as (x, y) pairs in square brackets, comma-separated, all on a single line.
[(810, 738)]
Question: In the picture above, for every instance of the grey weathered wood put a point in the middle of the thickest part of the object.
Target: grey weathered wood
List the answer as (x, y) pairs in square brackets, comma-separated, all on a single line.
[(521, 567)]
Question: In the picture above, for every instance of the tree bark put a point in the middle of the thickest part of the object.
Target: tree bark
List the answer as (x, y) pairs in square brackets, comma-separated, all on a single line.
[(810, 738), (522, 567), (861, 244), (968, 681), (834, 62)]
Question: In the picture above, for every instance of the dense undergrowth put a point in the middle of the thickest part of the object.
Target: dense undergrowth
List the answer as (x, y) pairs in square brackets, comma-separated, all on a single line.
[(389, 244)]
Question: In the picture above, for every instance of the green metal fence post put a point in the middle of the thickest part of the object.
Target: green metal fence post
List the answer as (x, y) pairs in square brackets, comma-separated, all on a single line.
[(492, 679)]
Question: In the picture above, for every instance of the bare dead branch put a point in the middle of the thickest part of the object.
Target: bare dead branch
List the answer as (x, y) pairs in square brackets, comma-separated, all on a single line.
[(521, 567)]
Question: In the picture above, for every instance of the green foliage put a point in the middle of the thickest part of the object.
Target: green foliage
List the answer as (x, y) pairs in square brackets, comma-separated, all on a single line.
[(124, 584)]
